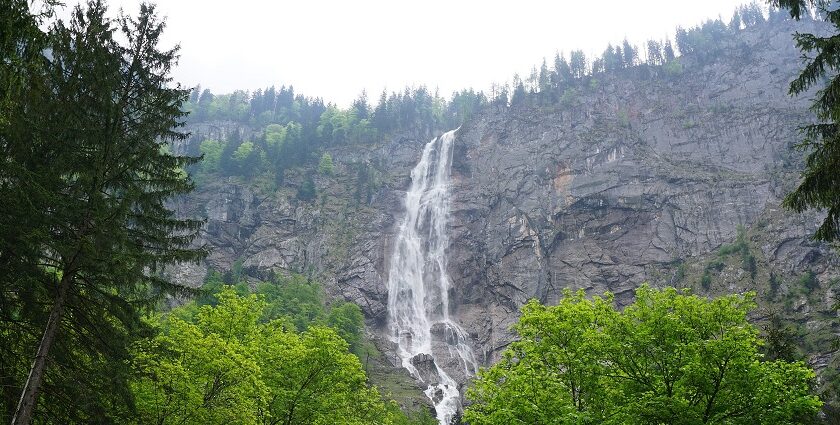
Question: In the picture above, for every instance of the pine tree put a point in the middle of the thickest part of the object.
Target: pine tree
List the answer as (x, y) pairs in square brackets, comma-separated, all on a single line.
[(544, 78), (98, 232)]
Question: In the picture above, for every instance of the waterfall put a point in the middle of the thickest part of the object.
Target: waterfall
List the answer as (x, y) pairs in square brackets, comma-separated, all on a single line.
[(429, 343)]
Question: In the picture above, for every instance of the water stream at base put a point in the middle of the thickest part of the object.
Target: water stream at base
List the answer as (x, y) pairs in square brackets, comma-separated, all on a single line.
[(418, 284)]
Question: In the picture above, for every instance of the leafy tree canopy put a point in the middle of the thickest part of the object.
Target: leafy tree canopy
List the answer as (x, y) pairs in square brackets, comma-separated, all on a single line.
[(670, 357), (225, 365)]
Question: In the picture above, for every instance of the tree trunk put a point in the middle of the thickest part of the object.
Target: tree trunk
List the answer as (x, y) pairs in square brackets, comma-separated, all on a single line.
[(26, 405)]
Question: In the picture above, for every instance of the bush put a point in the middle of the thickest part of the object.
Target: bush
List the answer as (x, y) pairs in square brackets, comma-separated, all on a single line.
[(809, 281), (673, 68), (774, 285), (706, 280), (307, 191)]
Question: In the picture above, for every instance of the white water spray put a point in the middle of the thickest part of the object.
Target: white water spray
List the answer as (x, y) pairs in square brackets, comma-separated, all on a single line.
[(418, 284)]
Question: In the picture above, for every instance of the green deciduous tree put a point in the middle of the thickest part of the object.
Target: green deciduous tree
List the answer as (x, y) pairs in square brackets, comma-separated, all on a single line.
[(669, 357), (227, 366), (203, 372), (211, 151)]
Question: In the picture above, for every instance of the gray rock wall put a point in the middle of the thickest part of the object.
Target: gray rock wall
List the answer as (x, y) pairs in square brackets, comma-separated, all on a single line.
[(628, 175)]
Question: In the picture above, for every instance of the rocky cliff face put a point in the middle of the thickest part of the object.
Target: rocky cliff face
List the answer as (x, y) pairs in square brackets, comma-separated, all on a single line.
[(629, 178)]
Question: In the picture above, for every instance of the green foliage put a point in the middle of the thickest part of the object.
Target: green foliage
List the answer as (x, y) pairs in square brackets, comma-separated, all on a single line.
[(623, 119), (298, 130), (325, 165), (320, 126), (715, 265), (741, 247), (295, 299), (420, 417), (669, 357), (244, 151), (820, 185), (748, 263), (569, 97), (212, 155), (679, 275), (85, 226), (780, 341), (307, 190), (275, 135), (673, 68), (774, 283), (348, 322), (809, 281), (706, 280), (228, 366)]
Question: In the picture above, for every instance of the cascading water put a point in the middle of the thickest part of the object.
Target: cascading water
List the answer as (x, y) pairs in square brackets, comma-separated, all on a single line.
[(418, 284)]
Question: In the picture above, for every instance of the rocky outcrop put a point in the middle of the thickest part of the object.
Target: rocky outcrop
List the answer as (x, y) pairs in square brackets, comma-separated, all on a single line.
[(614, 185)]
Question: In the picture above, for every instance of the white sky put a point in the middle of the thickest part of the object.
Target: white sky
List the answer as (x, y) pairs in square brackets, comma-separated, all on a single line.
[(334, 49)]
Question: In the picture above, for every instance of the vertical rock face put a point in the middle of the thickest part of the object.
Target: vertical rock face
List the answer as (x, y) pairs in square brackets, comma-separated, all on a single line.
[(612, 186)]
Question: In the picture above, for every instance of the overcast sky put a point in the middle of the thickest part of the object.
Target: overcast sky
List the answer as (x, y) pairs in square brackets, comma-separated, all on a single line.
[(334, 49)]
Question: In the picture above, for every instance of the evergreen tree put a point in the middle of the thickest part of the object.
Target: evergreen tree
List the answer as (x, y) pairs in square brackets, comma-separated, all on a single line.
[(682, 41), (617, 58), (325, 165), (631, 55), (668, 51), (751, 14), (577, 63), (533, 80), (562, 68), (820, 185), (195, 94), (519, 92), (227, 162), (610, 61), (544, 79), (360, 107), (381, 120), (204, 101), (654, 52), (100, 232), (735, 22), (502, 98)]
